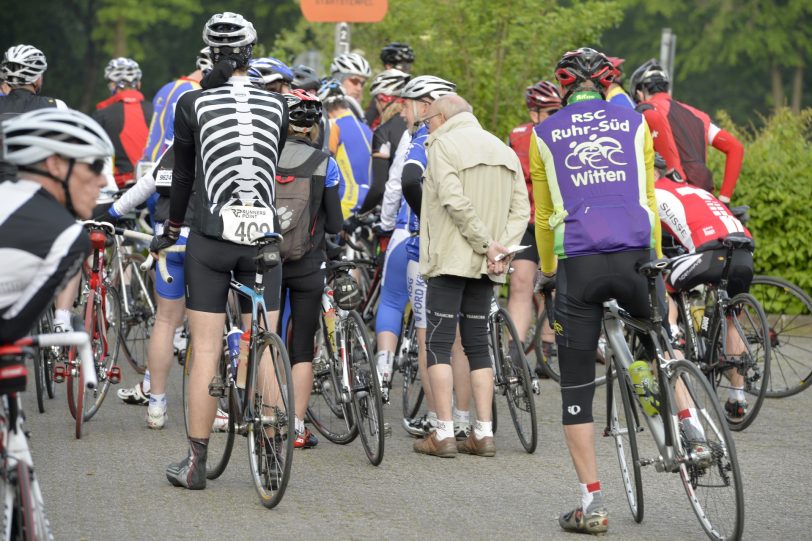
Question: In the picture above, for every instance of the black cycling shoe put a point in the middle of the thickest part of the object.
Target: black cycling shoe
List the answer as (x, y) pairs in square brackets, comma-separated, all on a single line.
[(191, 471)]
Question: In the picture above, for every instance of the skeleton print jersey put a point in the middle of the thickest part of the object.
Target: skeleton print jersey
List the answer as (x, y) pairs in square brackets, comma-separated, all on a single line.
[(227, 145)]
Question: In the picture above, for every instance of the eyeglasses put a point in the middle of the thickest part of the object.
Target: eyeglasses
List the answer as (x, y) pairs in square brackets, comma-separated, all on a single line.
[(95, 164), (425, 120)]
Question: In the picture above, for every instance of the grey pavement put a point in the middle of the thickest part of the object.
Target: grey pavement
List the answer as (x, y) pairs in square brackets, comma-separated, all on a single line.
[(111, 483)]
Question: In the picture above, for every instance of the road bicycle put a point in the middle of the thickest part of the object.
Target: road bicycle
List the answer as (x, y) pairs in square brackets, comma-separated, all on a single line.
[(261, 409), (346, 399), (23, 515), (700, 449), (44, 360), (100, 305), (728, 337), (511, 375)]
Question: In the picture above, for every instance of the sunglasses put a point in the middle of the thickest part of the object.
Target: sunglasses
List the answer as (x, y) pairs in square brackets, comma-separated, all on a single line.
[(95, 164), (357, 81)]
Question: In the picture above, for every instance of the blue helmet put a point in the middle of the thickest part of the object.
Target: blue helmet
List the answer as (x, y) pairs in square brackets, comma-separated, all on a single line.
[(263, 71)]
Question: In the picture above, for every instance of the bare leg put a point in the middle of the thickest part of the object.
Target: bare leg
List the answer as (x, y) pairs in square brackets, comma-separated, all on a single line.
[(422, 361), (442, 382), (302, 385), (520, 303), (207, 347), (168, 316), (482, 383), (581, 444)]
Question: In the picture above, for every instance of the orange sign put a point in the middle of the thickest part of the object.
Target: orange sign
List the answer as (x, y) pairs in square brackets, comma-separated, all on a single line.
[(351, 11)]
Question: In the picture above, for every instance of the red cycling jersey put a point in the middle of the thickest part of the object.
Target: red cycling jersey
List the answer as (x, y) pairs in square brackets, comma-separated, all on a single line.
[(693, 216), (681, 135), (519, 141)]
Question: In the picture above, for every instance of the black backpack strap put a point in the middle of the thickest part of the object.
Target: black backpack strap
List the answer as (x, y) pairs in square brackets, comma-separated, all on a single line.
[(644, 107)]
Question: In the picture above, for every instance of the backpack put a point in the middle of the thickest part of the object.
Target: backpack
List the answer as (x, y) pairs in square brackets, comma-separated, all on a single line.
[(296, 208)]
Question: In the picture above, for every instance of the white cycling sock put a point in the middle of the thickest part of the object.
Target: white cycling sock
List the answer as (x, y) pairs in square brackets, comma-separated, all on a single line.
[(63, 318), (145, 384), (157, 400), (689, 416), (462, 417), (591, 495), (300, 428), (483, 429), (385, 362), (445, 429), (736, 394)]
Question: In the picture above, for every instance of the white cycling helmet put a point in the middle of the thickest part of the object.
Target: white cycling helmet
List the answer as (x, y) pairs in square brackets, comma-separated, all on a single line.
[(228, 30), (427, 86), (351, 64), (331, 91), (122, 71), (389, 82), (203, 61), (33, 136), (23, 65)]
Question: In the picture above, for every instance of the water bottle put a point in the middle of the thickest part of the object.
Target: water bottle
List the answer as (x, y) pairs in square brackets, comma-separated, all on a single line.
[(329, 319), (233, 341), (242, 365), (648, 392)]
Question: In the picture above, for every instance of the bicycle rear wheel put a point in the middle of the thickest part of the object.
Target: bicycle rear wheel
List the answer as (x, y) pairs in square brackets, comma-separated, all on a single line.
[(789, 316), (106, 339), (330, 415), (622, 426), (270, 429), (40, 359), (744, 328), (367, 405), (709, 467), (516, 384), (139, 315), (221, 439), (412, 395)]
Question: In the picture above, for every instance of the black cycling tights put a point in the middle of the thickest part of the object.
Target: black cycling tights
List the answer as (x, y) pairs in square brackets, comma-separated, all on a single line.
[(470, 298)]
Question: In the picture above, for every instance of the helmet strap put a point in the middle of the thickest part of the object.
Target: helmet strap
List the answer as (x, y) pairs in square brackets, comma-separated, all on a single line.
[(62, 182)]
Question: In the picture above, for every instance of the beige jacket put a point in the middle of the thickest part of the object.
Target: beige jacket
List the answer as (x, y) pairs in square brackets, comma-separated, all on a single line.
[(474, 193)]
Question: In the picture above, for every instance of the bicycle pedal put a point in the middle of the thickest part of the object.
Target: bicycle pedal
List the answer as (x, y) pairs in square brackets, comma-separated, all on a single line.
[(217, 387), (59, 374), (114, 375), (536, 386)]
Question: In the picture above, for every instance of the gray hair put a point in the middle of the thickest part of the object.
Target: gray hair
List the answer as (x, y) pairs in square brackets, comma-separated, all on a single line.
[(450, 105)]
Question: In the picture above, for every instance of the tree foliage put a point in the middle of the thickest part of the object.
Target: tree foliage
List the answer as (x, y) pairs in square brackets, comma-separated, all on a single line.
[(776, 182), (491, 50)]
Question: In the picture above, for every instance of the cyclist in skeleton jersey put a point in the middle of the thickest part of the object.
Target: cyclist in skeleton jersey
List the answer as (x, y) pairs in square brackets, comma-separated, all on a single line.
[(227, 144)]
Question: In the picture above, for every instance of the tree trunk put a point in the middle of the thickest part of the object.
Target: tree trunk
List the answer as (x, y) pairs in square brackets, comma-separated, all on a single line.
[(797, 90), (778, 87), (501, 33), (120, 39)]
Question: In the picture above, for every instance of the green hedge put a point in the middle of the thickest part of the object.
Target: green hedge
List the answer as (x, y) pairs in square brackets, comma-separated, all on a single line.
[(776, 182)]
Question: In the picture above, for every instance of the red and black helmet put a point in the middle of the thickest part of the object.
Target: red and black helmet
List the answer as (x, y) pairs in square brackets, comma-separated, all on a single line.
[(616, 63), (304, 109), (584, 64), (543, 95)]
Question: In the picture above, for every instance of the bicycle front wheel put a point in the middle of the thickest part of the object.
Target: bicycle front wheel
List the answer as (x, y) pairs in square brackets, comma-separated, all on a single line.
[(740, 357), (329, 412), (516, 383), (367, 405), (221, 439), (409, 364), (706, 453), (271, 422), (789, 316), (139, 315), (622, 426), (106, 339)]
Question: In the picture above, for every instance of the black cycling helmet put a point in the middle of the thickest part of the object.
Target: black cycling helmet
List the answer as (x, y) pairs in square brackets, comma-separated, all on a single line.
[(396, 54), (649, 76), (304, 108), (305, 78), (345, 292), (584, 64)]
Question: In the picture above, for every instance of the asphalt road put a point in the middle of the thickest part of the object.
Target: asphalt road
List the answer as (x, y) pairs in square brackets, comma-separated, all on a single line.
[(111, 484)]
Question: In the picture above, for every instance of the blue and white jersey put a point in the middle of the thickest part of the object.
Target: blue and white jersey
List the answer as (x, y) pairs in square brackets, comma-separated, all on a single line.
[(415, 155)]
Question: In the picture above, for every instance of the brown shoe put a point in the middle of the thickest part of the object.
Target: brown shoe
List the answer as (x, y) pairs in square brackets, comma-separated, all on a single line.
[(430, 445), (472, 446)]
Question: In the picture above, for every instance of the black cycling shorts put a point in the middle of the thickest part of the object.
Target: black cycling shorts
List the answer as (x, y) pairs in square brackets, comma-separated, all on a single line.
[(691, 270), (304, 294), (529, 239), (584, 283), (209, 264)]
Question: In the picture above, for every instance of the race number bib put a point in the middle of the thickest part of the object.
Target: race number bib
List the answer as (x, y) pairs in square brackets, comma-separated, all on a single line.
[(163, 178), (243, 225)]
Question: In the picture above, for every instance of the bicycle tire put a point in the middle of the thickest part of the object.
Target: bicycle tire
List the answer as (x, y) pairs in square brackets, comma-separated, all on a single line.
[(221, 442), (270, 470), (367, 404), (548, 365), (412, 388), (756, 364), (41, 523), (628, 426), (51, 356), (137, 325), (722, 471), (518, 388), (107, 318), (40, 359), (330, 416), (23, 527), (789, 315)]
